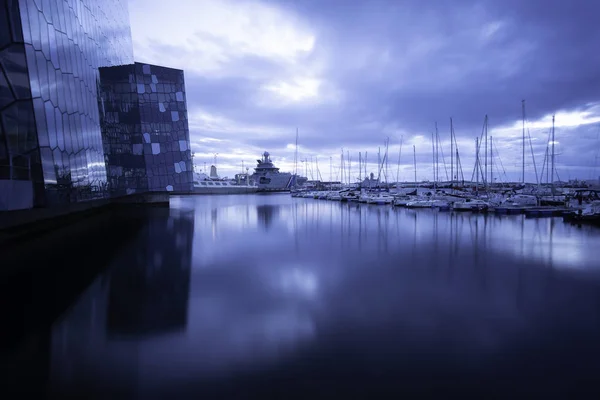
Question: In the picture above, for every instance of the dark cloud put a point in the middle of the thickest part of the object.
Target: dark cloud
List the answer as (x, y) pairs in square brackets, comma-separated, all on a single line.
[(399, 66)]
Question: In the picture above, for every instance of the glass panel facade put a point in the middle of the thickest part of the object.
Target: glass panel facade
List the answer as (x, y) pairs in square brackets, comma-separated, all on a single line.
[(19, 153), (121, 131), (143, 139), (78, 118), (65, 43)]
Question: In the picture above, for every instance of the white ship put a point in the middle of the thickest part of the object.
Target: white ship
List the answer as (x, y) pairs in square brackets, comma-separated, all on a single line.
[(268, 178), (204, 184)]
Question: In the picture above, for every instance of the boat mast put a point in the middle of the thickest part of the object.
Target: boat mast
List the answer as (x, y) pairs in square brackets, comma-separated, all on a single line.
[(552, 158), (485, 158), (330, 171), (295, 155), (366, 176), (491, 163), (546, 158), (523, 167), (437, 155), (342, 168), (319, 177), (459, 168), (399, 155), (349, 166), (477, 166), (387, 143), (415, 164), (451, 155), (433, 159), (378, 165), (360, 166), (305, 162)]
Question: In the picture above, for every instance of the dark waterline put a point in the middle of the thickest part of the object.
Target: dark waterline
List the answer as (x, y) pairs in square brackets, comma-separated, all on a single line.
[(260, 296)]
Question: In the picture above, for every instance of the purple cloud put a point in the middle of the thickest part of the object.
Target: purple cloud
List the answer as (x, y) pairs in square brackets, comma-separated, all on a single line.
[(350, 74)]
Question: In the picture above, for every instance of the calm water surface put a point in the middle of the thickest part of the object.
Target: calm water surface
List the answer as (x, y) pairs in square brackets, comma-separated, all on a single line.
[(268, 296)]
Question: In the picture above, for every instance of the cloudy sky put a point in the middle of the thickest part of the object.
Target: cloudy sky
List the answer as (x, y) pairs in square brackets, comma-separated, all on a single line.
[(349, 74)]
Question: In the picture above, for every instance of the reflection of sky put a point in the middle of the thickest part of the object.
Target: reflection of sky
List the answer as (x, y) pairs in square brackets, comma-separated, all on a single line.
[(272, 276), (280, 235), (242, 315)]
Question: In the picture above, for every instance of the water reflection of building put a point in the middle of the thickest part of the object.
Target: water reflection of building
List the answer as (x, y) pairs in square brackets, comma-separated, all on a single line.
[(149, 288), (96, 345), (266, 214)]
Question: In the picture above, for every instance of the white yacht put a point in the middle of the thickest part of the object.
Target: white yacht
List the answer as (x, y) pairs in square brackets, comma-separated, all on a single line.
[(470, 205), (335, 196), (380, 198), (268, 178), (420, 203), (520, 200), (592, 208)]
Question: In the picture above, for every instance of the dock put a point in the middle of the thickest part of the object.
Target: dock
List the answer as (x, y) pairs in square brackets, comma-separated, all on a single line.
[(24, 224), (531, 212)]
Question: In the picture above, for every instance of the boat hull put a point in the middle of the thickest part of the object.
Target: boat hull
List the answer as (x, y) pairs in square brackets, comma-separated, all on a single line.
[(226, 190)]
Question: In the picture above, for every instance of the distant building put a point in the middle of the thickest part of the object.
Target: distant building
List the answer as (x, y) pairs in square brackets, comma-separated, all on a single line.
[(52, 150), (370, 182)]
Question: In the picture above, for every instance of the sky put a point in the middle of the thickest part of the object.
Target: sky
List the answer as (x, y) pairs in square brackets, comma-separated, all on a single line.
[(347, 75)]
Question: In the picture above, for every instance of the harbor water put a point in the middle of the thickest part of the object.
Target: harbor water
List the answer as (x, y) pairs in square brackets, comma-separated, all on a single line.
[(267, 296)]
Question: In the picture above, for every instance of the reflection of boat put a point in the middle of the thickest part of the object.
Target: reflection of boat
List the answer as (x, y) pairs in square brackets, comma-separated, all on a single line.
[(589, 214), (520, 200), (204, 184), (268, 178), (422, 203)]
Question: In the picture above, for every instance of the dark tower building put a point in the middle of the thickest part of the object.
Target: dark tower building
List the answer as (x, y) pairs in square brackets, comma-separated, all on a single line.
[(53, 149)]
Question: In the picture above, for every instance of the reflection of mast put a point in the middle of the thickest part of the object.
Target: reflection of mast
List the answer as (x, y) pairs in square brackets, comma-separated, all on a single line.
[(415, 230), (452, 243), (360, 228), (435, 238), (519, 299), (213, 222), (266, 214), (520, 271)]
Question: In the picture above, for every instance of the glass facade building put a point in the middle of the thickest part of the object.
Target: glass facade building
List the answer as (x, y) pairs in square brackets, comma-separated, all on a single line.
[(20, 167), (52, 148), (144, 123)]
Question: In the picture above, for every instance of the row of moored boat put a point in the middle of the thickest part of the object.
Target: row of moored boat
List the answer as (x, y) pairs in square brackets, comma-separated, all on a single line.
[(516, 203)]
